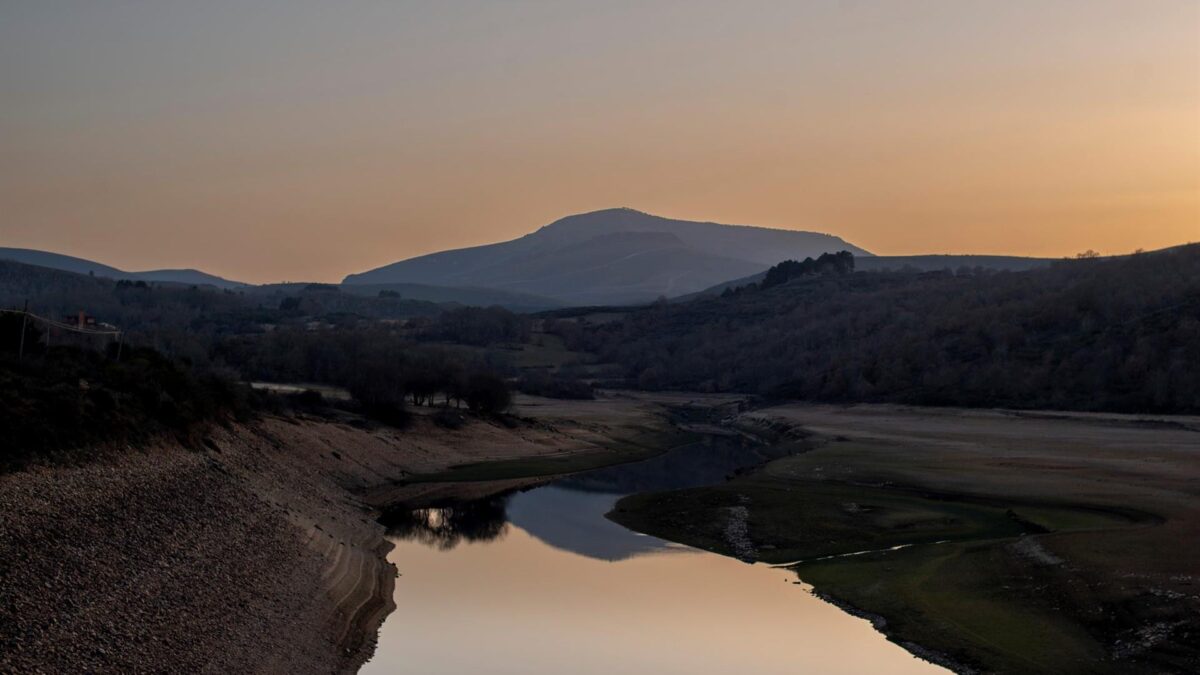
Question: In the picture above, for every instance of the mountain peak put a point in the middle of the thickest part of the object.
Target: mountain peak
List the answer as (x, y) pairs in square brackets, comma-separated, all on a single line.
[(613, 255), (613, 216)]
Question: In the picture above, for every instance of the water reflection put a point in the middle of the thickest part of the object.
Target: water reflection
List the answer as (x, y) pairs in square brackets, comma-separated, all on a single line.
[(573, 520), (445, 527), (569, 513), (541, 582)]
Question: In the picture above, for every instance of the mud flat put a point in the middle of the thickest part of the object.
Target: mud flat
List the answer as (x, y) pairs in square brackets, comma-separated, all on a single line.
[(256, 549), (987, 540)]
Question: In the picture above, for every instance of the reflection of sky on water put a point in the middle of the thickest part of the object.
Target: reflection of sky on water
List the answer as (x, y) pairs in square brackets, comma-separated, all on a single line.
[(574, 521), (569, 514), (516, 605), (540, 582)]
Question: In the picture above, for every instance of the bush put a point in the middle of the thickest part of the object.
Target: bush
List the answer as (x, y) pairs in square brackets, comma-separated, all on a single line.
[(54, 405), (448, 418), (380, 393), (487, 393)]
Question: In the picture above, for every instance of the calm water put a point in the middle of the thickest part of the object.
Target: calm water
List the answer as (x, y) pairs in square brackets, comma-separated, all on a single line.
[(541, 582)]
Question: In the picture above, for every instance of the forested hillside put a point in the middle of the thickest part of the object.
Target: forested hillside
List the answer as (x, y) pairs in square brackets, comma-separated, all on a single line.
[(183, 320), (60, 404), (1117, 334), (62, 398)]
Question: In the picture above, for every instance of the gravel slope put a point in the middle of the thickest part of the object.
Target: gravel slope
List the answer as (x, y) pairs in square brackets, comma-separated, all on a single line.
[(249, 555)]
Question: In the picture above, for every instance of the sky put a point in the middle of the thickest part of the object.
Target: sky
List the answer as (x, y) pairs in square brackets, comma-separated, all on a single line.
[(275, 140)]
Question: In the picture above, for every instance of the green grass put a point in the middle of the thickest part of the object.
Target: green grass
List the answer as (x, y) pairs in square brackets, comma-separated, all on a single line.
[(968, 597), (949, 598), (801, 519)]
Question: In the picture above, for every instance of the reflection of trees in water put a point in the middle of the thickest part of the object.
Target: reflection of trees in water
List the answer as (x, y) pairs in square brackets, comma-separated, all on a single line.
[(444, 527)]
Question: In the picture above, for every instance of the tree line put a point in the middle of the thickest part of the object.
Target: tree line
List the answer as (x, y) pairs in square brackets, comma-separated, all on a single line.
[(57, 401), (381, 366), (1089, 334), (841, 262)]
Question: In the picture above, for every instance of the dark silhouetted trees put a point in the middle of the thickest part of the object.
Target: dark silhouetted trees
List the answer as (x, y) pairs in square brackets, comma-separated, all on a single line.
[(479, 326), (378, 365), (1117, 334), (827, 263), (57, 405), (487, 393)]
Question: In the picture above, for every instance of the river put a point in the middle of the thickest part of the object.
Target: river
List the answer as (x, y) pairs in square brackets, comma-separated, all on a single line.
[(541, 582)]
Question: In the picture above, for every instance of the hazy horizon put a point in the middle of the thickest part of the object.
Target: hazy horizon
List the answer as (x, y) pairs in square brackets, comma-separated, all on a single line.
[(306, 140)]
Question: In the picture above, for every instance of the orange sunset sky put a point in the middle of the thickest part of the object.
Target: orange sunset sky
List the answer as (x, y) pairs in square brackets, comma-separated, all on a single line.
[(301, 140)]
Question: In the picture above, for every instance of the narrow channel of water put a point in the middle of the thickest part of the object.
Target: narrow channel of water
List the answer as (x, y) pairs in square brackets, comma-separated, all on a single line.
[(541, 582)]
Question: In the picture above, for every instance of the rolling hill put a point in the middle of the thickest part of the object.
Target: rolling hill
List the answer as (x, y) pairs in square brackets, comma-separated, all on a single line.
[(482, 297), (1118, 334), (612, 256), (68, 263), (476, 297)]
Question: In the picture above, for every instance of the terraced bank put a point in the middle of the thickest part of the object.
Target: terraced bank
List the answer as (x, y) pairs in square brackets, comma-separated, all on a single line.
[(257, 550)]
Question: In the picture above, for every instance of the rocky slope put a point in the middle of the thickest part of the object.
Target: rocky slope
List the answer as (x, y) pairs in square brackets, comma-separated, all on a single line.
[(254, 553)]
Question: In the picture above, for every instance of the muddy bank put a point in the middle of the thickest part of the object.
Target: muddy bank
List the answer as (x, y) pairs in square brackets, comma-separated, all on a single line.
[(255, 552), (1041, 542)]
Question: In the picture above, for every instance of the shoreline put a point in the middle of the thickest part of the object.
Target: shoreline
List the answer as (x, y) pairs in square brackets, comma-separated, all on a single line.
[(1052, 508), (260, 551), (880, 623)]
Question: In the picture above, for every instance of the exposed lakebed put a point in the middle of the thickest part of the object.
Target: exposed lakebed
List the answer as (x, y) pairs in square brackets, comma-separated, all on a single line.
[(539, 581)]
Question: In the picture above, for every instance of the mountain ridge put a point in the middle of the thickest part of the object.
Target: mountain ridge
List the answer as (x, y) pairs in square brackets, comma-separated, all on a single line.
[(85, 268), (603, 257), (69, 263)]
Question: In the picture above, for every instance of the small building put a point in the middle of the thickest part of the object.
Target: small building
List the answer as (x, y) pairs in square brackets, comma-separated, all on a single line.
[(80, 320)]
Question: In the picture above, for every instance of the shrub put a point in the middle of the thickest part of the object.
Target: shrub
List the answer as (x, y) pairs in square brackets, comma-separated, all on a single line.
[(487, 393), (58, 406)]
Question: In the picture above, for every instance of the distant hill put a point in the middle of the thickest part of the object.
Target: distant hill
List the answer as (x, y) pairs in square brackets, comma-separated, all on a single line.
[(20, 282), (611, 257), (68, 263), (476, 297), (183, 316), (481, 297), (1114, 334), (899, 263)]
